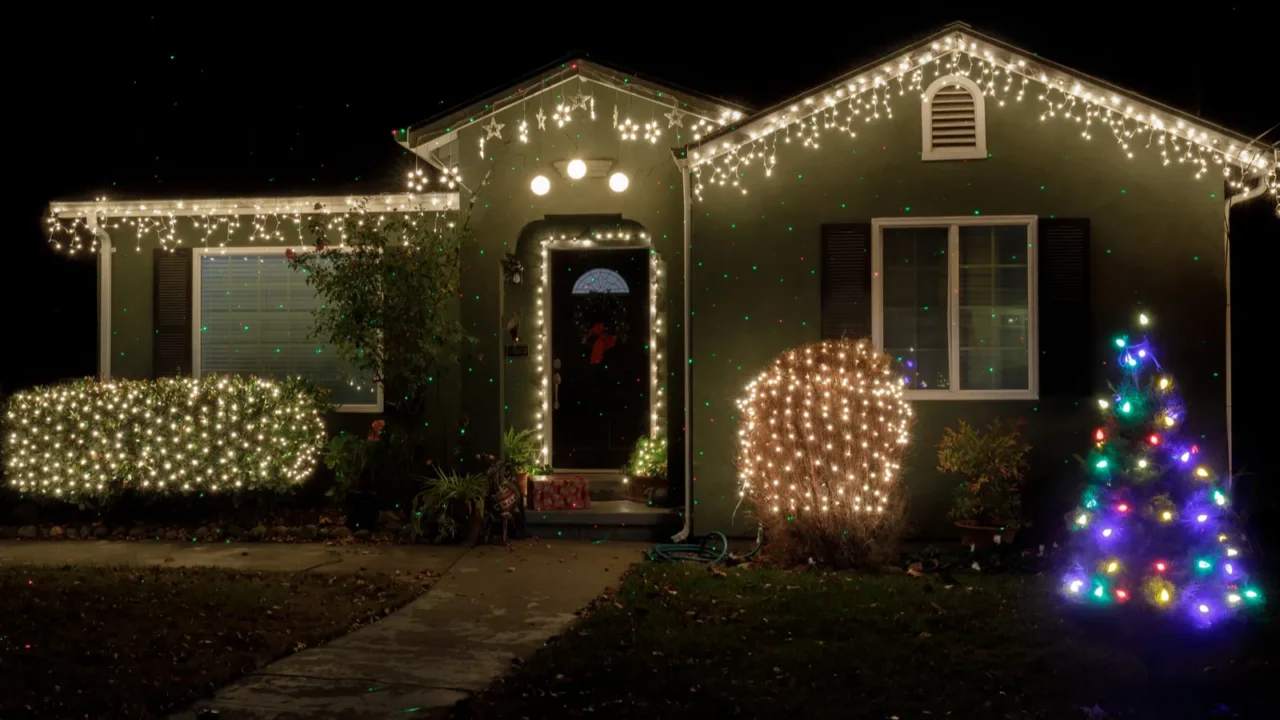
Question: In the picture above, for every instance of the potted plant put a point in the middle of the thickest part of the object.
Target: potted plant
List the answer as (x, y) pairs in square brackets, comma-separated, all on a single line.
[(448, 497), (349, 456), (989, 502), (520, 449), (646, 472)]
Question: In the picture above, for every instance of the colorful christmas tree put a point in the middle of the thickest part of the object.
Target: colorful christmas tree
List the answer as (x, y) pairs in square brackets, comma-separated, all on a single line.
[(1155, 523)]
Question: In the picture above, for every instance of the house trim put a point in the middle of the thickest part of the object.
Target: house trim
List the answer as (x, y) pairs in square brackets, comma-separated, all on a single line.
[(197, 254), (953, 224), (301, 205), (104, 298)]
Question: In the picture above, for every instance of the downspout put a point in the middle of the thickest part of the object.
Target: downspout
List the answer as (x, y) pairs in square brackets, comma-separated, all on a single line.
[(1232, 201), (683, 164)]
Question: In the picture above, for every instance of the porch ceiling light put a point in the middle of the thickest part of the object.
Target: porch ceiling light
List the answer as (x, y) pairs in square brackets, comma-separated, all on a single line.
[(540, 185), (577, 169), (618, 182)]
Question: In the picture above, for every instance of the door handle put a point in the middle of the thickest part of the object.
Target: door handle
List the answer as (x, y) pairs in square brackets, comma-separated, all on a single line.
[(555, 382)]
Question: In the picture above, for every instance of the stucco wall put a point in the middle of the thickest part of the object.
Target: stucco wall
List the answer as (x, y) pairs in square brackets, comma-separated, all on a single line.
[(1156, 240), (508, 217)]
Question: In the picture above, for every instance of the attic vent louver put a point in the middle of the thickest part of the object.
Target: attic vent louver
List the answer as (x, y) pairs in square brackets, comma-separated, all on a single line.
[(953, 120)]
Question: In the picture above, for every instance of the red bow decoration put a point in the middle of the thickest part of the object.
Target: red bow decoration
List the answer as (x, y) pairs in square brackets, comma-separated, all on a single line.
[(603, 342)]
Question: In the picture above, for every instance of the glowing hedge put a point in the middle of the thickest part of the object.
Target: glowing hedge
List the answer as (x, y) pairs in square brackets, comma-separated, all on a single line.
[(88, 439)]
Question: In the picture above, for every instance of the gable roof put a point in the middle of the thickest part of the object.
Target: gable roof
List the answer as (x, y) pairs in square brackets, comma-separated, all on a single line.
[(424, 137), (994, 59)]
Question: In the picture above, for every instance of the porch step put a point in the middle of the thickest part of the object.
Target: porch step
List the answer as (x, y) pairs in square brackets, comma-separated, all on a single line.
[(606, 520)]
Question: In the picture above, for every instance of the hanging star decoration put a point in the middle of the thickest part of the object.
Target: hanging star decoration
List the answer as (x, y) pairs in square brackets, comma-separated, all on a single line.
[(579, 101), (493, 129), (674, 118), (615, 117), (542, 119), (523, 130)]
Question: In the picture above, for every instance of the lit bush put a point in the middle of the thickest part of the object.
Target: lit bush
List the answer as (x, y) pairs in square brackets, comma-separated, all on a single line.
[(91, 440), (820, 445)]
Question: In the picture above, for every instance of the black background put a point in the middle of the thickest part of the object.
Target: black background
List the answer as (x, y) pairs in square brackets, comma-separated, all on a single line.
[(224, 100)]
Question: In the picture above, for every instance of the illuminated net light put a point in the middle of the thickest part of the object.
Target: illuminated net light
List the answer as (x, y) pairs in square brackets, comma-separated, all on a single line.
[(1202, 472), (89, 439), (1103, 404), (820, 442)]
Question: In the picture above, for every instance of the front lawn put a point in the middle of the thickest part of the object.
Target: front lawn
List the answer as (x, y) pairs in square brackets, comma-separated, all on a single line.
[(686, 641), (132, 642)]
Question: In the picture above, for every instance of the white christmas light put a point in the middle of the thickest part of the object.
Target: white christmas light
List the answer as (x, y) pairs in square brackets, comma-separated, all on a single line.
[(540, 185), (577, 169), (618, 182)]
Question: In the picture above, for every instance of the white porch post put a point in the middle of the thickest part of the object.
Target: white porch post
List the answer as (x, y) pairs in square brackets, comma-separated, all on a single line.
[(104, 297)]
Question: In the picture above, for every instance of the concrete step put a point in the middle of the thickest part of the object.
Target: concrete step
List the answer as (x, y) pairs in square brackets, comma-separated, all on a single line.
[(607, 520)]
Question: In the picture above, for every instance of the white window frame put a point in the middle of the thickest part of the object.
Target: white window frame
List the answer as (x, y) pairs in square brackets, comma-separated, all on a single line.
[(953, 224), (197, 255), (979, 151)]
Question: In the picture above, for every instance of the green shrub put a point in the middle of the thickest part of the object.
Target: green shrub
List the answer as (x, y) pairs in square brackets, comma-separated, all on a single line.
[(89, 441), (994, 462)]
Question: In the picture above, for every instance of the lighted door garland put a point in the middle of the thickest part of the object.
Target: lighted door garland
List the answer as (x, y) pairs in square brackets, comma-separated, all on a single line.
[(657, 359)]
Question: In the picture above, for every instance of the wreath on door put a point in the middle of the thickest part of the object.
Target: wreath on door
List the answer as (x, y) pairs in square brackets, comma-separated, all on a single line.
[(601, 321)]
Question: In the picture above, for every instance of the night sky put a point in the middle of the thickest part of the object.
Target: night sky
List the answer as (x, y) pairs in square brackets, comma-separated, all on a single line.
[(218, 101)]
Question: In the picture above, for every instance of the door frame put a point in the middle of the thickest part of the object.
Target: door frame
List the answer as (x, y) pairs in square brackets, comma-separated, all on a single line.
[(604, 240)]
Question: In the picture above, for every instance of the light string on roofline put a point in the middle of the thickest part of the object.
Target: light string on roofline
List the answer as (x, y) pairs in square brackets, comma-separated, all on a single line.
[(169, 225), (868, 97), (542, 359)]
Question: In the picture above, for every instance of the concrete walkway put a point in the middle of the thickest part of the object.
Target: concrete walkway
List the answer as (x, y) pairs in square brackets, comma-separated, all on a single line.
[(490, 606)]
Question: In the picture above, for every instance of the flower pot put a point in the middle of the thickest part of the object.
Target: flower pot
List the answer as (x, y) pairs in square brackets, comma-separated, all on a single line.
[(361, 508), (638, 487), (982, 536), (472, 527)]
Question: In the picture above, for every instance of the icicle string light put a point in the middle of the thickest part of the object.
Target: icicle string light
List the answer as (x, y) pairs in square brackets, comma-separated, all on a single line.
[(1002, 77), (74, 227), (213, 434)]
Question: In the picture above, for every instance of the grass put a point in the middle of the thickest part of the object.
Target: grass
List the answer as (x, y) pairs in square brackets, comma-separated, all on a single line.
[(98, 642), (686, 641)]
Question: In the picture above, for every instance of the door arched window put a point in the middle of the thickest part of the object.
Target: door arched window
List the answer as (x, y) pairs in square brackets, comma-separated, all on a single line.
[(600, 280)]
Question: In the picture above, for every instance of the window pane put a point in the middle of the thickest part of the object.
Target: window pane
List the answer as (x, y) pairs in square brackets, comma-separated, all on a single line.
[(994, 308), (255, 318), (915, 304)]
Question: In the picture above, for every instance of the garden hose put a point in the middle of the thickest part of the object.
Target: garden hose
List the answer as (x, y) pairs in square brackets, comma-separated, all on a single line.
[(713, 549)]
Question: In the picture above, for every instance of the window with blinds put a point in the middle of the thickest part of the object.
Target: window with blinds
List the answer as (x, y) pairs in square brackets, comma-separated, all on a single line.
[(255, 318), (953, 120), (953, 302)]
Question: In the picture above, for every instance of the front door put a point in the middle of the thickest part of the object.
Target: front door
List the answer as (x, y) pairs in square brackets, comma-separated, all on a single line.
[(600, 353)]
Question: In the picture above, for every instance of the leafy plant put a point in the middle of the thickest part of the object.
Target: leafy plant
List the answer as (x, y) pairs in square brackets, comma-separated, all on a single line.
[(520, 447), (648, 459), (348, 456), (388, 292), (994, 462), (445, 498)]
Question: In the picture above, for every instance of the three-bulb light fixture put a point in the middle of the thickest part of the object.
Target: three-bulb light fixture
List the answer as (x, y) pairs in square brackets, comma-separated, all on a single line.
[(576, 170)]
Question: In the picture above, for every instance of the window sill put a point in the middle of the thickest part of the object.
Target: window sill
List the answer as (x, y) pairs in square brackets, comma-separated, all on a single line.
[(918, 395), (366, 409)]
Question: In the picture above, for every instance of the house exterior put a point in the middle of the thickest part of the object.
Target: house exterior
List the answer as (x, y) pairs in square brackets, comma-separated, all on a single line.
[(984, 216)]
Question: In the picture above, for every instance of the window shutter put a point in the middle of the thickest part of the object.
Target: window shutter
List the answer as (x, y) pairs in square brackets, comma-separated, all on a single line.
[(846, 281), (171, 306), (1066, 326)]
